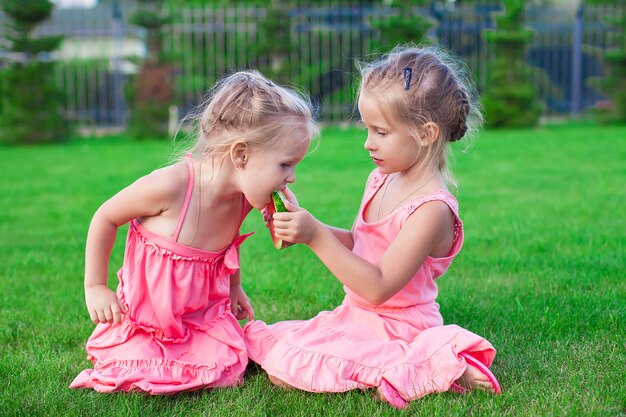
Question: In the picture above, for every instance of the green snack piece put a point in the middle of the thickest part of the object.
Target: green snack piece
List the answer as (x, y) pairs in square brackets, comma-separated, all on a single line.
[(278, 198), (277, 205)]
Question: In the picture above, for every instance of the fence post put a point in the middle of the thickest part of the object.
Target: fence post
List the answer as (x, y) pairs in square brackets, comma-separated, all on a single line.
[(117, 30), (577, 39)]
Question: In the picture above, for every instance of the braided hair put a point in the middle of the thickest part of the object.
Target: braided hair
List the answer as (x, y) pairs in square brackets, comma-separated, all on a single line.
[(418, 85)]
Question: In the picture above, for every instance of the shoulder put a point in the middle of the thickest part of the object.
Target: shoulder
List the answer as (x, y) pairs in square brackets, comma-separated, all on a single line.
[(148, 196), (375, 178), (435, 219), (160, 189), (432, 212), (439, 200), (435, 211), (167, 181)]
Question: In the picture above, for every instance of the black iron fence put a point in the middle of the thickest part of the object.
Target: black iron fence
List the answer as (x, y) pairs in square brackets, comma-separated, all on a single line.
[(100, 52)]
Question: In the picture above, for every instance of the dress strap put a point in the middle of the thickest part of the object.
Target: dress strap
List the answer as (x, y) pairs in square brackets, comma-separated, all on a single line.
[(183, 210), (374, 181), (438, 195), (452, 203)]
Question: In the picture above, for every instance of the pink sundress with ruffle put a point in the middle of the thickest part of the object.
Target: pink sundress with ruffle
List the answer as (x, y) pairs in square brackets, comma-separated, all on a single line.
[(400, 346), (179, 333)]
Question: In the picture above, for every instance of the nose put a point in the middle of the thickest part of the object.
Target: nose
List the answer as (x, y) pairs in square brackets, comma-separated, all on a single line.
[(292, 177), (369, 143)]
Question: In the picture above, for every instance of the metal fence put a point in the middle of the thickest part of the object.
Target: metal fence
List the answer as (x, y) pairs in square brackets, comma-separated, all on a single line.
[(96, 61)]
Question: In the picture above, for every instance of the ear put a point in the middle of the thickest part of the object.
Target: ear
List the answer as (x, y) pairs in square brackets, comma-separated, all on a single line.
[(239, 154), (429, 133)]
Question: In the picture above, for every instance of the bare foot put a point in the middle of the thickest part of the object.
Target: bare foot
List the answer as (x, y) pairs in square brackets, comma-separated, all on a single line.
[(472, 378), (279, 382)]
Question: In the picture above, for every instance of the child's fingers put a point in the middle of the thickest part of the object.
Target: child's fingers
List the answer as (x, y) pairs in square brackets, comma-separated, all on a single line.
[(117, 313), (247, 309), (241, 313), (282, 233), (280, 224), (108, 314), (291, 197), (283, 216), (291, 206), (121, 306), (93, 316), (101, 316)]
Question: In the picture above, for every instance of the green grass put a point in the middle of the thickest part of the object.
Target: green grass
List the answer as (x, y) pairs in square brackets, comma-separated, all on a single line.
[(541, 274)]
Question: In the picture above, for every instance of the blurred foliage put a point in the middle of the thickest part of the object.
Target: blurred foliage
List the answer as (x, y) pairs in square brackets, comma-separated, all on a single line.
[(153, 87), (605, 2), (510, 99), (275, 42), (24, 17), (613, 84), (32, 104), (406, 26)]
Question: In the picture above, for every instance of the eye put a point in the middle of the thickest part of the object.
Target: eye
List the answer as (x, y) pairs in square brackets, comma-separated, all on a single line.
[(383, 134), (285, 165)]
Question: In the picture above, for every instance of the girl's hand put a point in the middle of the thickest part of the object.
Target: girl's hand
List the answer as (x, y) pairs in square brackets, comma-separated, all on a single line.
[(240, 303), (295, 226), (291, 197), (103, 305)]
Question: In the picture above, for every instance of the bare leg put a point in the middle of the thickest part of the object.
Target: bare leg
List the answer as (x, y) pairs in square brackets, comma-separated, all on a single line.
[(279, 382)]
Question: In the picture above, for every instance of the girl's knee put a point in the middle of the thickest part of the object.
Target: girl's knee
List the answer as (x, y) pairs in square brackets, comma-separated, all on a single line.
[(279, 382)]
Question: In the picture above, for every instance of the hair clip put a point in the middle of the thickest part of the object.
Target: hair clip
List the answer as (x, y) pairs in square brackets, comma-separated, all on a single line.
[(268, 82), (408, 73)]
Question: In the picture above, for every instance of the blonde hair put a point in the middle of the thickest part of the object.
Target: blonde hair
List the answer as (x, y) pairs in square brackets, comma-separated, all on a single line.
[(417, 85), (246, 107)]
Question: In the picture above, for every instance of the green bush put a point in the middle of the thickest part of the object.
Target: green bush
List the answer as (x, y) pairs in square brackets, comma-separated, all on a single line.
[(510, 98), (32, 104), (406, 27), (613, 84), (32, 110)]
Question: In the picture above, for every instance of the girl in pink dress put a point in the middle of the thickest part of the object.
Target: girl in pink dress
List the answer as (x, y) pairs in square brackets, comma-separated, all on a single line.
[(172, 325), (388, 333)]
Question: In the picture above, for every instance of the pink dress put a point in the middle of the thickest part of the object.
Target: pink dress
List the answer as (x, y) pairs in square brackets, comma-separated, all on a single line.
[(401, 345), (179, 333)]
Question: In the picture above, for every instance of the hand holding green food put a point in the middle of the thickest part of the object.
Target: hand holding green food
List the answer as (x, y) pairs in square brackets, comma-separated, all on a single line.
[(278, 205), (295, 225)]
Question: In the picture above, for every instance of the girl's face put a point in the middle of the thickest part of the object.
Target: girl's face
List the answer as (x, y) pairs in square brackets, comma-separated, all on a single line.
[(272, 169), (389, 144)]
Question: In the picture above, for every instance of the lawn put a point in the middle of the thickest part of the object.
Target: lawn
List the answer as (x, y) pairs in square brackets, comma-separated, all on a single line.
[(541, 274)]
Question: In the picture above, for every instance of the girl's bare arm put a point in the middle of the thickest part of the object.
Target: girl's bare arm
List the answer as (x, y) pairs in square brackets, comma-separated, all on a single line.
[(148, 196), (422, 231)]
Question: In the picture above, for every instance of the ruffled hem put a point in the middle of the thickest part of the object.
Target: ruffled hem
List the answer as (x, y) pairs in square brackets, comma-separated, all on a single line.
[(128, 358), (426, 369), (158, 376)]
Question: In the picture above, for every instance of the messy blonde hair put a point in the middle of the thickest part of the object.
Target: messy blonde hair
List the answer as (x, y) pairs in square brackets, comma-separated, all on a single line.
[(246, 107), (417, 85)]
